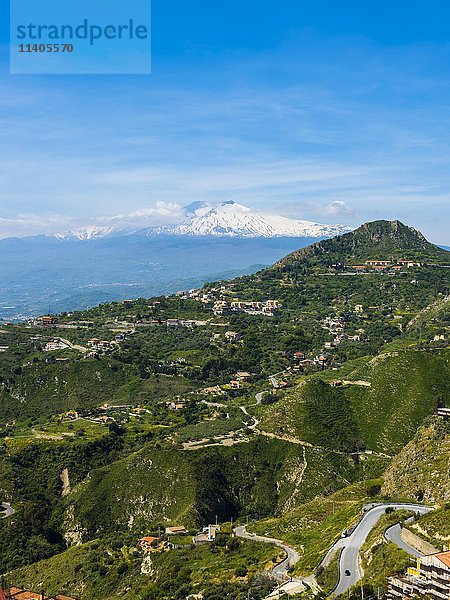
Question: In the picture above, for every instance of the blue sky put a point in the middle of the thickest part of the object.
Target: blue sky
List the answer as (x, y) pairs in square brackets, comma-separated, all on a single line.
[(329, 111)]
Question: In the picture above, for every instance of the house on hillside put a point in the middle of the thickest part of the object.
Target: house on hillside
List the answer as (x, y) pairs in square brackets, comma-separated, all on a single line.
[(207, 535), (15, 593), (243, 375), (176, 530), (232, 336), (408, 263), (148, 542), (378, 263), (53, 345), (214, 391), (71, 415), (46, 321)]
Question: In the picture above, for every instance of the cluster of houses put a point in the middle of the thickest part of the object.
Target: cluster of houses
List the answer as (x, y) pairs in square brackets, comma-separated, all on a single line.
[(302, 363), (103, 346), (206, 536), (221, 305), (177, 404), (204, 296), (266, 308), (336, 325), (384, 265), (239, 378), (122, 412)]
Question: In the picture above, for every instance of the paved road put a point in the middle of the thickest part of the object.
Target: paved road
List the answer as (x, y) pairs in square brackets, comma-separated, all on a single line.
[(280, 571), (393, 535), (288, 584), (259, 396), (73, 346), (7, 510), (349, 560), (255, 420), (273, 380)]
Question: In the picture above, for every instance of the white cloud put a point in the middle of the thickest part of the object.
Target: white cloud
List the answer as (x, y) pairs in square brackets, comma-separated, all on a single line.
[(338, 208), (31, 224), (162, 213)]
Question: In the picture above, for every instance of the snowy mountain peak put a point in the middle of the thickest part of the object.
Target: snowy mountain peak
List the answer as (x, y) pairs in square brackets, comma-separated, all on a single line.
[(196, 208), (236, 220), (89, 232), (229, 219)]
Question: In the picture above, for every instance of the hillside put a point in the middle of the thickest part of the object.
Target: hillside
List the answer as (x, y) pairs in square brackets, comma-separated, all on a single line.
[(277, 397), (421, 469), (376, 240), (379, 407), (263, 477)]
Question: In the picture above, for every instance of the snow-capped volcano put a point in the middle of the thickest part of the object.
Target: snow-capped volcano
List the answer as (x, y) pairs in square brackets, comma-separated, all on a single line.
[(228, 219), (90, 232), (235, 220)]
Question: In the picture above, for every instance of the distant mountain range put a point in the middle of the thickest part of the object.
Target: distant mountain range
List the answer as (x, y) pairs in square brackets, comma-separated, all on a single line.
[(228, 219), (79, 269), (93, 264)]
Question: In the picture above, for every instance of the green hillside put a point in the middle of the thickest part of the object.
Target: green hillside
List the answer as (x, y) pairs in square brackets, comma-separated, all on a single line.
[(376, 240), (379, 407), (280, 398), (421, 469), (153, 486), (116, 568)]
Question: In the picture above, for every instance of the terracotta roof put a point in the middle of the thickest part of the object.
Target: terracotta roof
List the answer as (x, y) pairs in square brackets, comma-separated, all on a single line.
[(19, 594), (444, 557), (148, 539)]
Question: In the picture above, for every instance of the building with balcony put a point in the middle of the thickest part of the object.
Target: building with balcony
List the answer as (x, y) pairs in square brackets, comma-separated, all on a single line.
[(430, 577)]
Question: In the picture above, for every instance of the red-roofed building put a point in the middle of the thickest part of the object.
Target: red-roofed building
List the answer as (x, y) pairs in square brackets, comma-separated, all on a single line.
[(15, 593), (148, 542), (430, 578)]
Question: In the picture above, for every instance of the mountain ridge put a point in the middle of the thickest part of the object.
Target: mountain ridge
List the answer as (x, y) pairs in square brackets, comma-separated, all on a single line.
[(236, 220), (373, 240), (228, 219)]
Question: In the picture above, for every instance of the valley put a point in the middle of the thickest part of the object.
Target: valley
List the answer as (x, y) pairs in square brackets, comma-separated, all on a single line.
[(278, 405)]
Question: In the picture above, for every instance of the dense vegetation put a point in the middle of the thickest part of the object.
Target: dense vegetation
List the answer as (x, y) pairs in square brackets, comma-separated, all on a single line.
[(287, 420)]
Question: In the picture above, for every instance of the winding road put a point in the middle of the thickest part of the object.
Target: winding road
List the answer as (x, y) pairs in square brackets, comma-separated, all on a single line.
[(7, 509), (393, 534), (351, 545), (280, 571)]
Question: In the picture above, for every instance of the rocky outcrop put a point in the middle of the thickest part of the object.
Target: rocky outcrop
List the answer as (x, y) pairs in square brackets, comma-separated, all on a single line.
[(421, 469)]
